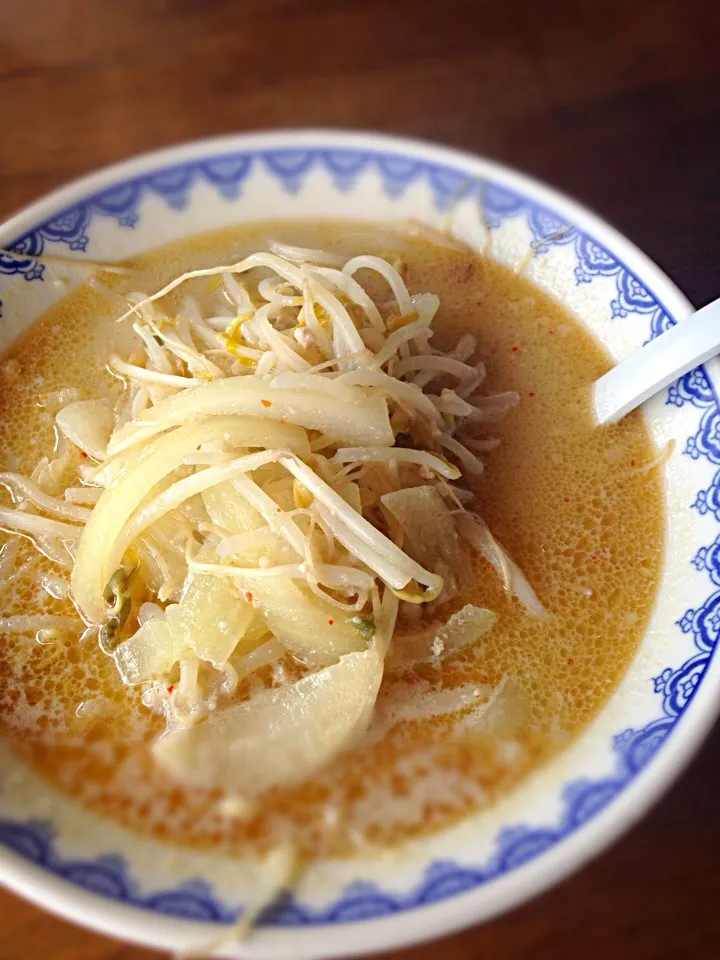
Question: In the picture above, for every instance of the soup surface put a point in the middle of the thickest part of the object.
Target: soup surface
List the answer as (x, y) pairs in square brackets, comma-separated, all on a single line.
[(572, 504)]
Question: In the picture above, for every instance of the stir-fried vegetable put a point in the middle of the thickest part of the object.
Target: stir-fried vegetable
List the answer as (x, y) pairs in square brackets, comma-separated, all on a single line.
[(88, 424), (426, 524), (278, 736), (149, 653), (308, 626), (98, 553), (463, 629), (211, 620), (476, 532), (255, 497), (360, 420)]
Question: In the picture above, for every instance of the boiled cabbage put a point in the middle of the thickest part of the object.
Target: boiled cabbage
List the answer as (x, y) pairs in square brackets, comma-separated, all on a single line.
[(211, 619), (148, 654), (279, 736), (309, 627), (429, 534)]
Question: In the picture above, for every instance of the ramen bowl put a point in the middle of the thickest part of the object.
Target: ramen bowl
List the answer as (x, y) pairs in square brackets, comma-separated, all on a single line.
[(94, 872)]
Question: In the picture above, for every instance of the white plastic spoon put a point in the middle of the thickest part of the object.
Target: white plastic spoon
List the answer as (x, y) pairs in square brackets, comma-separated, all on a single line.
[(659, 363)]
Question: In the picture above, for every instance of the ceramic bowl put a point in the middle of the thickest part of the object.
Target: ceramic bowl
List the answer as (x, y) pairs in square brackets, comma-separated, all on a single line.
[(96, 873)]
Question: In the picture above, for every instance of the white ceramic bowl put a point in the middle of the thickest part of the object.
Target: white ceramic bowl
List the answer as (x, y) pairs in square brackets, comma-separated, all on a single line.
[(92, 871)]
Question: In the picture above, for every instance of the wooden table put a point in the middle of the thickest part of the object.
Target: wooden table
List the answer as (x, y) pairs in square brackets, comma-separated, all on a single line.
[(616, 102)]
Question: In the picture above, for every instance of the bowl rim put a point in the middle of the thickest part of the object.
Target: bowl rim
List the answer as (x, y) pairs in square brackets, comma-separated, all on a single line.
[(459, 911)]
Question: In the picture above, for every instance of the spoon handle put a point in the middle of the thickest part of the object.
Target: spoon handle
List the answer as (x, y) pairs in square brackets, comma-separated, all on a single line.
[(657, 364)]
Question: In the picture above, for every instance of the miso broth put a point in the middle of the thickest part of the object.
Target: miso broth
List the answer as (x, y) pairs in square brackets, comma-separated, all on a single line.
[(571, 503)]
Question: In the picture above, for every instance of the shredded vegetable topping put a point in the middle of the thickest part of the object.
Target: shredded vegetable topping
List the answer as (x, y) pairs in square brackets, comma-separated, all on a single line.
[(284, 474)]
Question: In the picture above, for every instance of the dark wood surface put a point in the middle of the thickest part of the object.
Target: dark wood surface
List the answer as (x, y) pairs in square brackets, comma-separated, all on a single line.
[(617, 103)]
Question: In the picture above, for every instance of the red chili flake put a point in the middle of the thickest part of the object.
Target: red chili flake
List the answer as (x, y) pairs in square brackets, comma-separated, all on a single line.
[(515, 349), (248, 597), (571, 661), (82, 453), (330, 622), (532, 393), (479, 303), (632, 463), (551, 331), (266, 403), (566, 499), (171, 688)]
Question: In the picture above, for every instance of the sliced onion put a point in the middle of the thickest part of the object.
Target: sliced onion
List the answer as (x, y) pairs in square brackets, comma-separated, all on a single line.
[(230, 510), (317, 383), (249, 544), (364, 421)]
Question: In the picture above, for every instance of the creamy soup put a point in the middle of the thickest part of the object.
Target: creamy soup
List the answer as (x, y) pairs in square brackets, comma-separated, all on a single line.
[(578, 509)]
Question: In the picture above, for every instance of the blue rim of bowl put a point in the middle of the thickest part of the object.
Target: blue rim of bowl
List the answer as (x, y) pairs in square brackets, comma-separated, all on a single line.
[(109, 875)]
